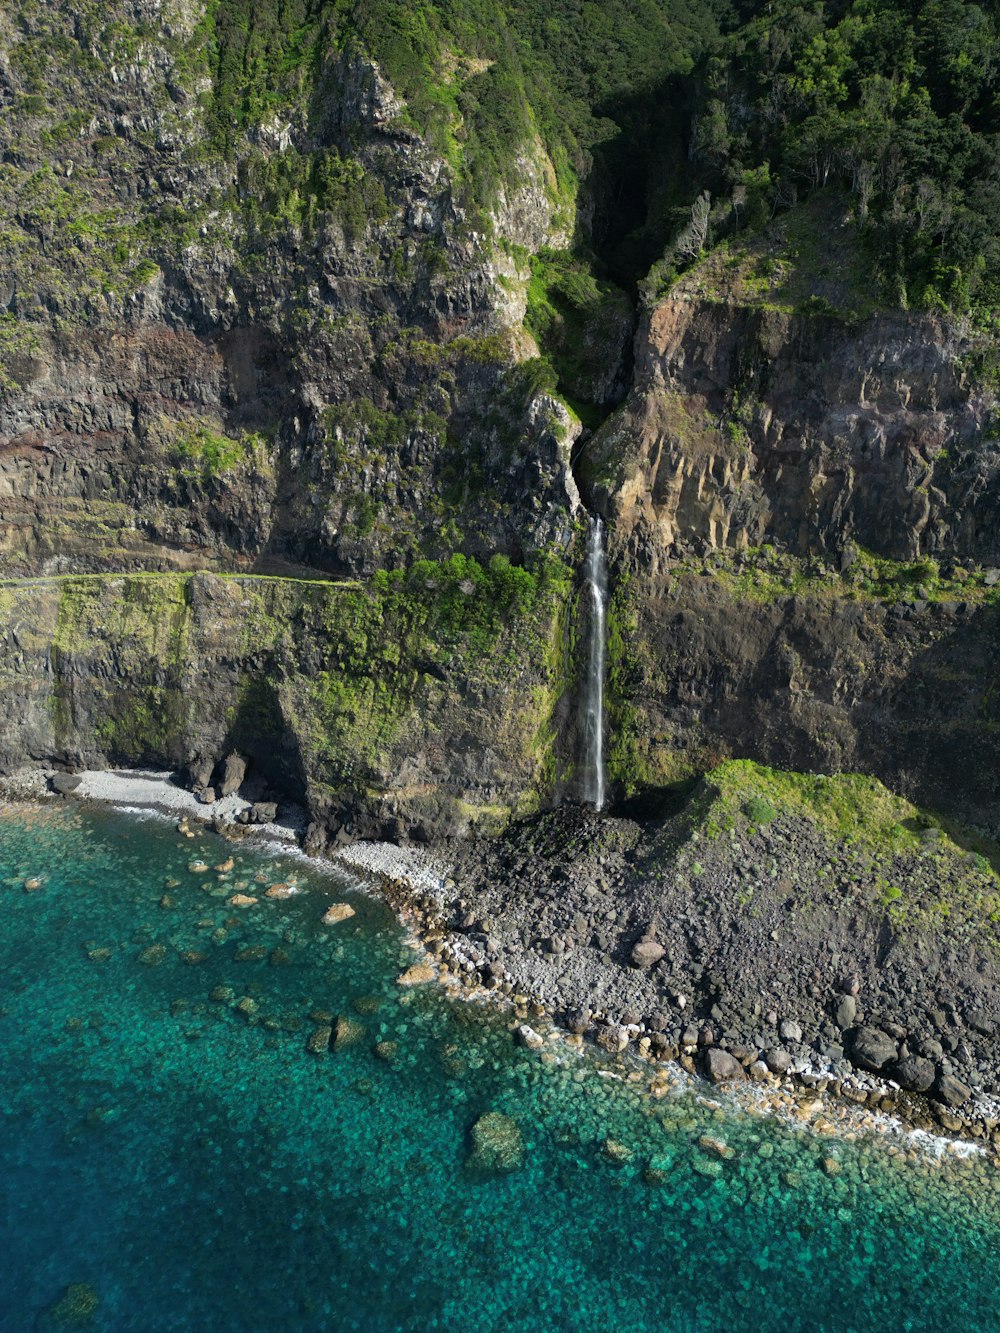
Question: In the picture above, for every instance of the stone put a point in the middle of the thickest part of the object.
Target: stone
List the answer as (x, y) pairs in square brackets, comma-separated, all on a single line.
[(234, 770), (496, 1144), (577, 1021), (318, 1041), (951, 1090), (913, 1072), (336, 913), (64, 784), (224, 867), (32, 885), (721, 1067), (263, 812), (416, 975), (647, 953), (347, 1031), (206, 795), (612, 1038), (241, 900), (778, 1061), (790, 1031), (529, 1038), (872, 1048), (616, 1151), (77, 1305), (716, 1147), (846, 1013)]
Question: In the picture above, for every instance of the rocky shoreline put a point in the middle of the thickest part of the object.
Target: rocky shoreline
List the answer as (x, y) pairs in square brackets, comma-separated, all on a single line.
[(588, 925)]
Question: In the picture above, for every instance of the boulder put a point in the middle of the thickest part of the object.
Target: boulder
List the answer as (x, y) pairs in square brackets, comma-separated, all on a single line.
[(234, 770), (647, 953), (913, 1073), (416, 975), (951, 1090), (612, 1038), (263, 812), (790, 1031), (529, 1038), (778, 1061), (846, 1012), (872, 1048), (336, 913), (721, 1067), (64, 784), (496, 1144)]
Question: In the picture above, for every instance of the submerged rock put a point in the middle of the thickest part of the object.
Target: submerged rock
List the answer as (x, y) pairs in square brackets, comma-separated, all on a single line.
[(346, 1032), (529, 1038), (77, 1305), (336, 913), (497, 1144), (416, 975)]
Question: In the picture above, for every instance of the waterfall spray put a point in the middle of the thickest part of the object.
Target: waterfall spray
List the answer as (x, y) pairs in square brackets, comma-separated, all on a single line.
[(592, 749)]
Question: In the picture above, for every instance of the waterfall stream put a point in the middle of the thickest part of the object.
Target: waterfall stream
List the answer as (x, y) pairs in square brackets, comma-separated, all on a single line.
[(592, 732)]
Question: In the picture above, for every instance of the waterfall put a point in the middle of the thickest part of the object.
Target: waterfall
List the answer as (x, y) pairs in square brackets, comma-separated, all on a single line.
[(592, 738)]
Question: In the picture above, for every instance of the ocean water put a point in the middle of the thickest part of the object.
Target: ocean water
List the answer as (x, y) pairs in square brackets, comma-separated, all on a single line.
[(169, 1160)]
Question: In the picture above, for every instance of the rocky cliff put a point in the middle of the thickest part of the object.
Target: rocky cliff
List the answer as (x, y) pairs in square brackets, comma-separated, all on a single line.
[(804, 495)]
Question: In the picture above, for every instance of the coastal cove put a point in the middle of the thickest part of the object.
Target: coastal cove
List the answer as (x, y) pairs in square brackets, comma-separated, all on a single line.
[(201, 1166)]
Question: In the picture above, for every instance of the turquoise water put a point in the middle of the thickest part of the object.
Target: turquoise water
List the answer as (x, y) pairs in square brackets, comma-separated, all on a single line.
[(183, 1164)]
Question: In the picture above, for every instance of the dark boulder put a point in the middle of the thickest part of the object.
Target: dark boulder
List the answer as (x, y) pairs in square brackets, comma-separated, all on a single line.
[(721, 1067), (871, 1048), (913, 1072), (951, 1090)]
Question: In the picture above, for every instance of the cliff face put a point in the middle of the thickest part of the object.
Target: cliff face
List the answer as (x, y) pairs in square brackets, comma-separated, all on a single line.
[(266, 312), (804, 502), (291, 341), (417, 706)]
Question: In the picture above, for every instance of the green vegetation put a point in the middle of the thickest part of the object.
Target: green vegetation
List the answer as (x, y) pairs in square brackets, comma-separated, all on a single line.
[(892, 103), (765, 574), (201, 452), (581, 324)]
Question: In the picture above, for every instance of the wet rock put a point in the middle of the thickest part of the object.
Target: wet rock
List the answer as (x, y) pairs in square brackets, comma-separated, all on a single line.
[(241, 900), (721, 1067), (529, 1038), (336, 913), (716, 1148), (32, 885), (416, 975), (616, 1151), (347, 1031), (951, 1090), (280, 891), (496, 1144), (871, 1048), (318, 1041), (612, 1038), (913, 1073), (77, 1305)]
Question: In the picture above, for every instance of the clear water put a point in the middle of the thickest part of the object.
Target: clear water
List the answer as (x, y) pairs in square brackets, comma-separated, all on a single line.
[(199, 1171)]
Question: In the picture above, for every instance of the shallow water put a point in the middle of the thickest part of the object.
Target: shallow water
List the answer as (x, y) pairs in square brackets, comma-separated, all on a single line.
[(197, 1168)]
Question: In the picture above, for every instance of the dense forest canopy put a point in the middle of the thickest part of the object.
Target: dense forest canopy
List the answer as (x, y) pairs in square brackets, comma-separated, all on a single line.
[(896, 103)]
